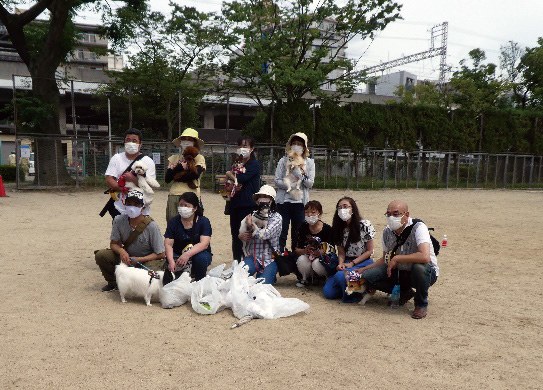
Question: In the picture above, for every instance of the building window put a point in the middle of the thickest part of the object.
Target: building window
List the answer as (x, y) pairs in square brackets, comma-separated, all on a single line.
[(80, 55)]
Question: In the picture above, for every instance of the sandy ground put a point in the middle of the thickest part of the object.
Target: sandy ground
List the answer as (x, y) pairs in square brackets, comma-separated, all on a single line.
[(484, 327)]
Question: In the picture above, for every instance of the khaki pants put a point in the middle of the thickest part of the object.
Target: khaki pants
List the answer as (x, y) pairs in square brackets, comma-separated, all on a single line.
[(171, 208), (107, 260)]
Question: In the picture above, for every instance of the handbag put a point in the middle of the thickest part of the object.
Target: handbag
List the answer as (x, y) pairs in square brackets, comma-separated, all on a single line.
[(285, 261), (330, 262)]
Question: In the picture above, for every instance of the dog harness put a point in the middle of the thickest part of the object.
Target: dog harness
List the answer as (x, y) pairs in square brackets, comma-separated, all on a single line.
[(152, 274)]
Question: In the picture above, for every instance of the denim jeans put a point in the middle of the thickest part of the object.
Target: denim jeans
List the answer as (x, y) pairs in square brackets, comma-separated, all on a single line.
[(290, 212), (421, 277), (268, 273), (335, 285)]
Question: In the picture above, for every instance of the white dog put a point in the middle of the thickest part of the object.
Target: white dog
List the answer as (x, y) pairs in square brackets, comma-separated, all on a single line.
[(134, 282), (145, 183), (259, 218), (294, 161)]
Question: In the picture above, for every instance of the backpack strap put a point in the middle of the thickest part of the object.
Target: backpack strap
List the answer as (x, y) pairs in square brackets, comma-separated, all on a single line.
[(402, 238), (139, 229)]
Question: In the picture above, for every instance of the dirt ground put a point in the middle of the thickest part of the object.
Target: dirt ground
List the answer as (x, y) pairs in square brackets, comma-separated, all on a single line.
[(484, 326)]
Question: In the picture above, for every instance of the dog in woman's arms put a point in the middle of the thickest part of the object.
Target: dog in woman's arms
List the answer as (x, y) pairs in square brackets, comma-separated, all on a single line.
[(295, 161), (189, 158), (259, 218), (137, 283)]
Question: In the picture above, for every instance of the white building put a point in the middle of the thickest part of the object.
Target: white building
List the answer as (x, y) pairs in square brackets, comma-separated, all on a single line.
[(387, 84)]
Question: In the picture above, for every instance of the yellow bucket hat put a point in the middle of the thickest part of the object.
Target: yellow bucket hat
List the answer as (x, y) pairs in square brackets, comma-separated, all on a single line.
[(189, 132)]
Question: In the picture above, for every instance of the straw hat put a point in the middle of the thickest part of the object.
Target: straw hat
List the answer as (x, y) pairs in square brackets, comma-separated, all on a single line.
[(265, 190), (305, 154), (189, 133)]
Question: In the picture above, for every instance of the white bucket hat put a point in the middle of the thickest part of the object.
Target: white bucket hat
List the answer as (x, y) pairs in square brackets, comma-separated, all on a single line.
[(265, 190), (305, 154)]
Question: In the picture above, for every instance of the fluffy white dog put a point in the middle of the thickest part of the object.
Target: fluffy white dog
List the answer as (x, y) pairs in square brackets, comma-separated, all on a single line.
[(259, 218), (145, 182), (134, 282)]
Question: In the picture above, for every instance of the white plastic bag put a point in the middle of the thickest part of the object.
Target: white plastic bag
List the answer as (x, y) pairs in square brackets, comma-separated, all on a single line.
[(177, 292), (205, 297), (266, 302), (239, 289)]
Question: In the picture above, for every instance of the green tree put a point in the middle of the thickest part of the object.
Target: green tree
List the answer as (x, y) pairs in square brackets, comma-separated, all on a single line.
[(423, 93), (289, 49), (510, 56), (43, 45), (531, 67)]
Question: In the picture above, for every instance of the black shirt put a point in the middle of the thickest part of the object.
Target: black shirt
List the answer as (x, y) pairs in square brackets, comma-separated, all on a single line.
[(182, 237), (325, 234)]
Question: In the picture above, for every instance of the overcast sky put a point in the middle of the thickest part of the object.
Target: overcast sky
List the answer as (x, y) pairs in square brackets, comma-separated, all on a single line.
[(486, 24)]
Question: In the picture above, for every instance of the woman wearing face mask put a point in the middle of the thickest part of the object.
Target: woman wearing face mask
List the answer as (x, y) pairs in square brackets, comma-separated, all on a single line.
[(189, 228), (189, 182), (248, 183), (353, 236), (118, 167), (308, 259), (263, 240), (290, 206)]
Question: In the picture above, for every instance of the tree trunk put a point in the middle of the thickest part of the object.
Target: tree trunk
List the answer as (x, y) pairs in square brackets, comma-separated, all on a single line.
[(50, 167)]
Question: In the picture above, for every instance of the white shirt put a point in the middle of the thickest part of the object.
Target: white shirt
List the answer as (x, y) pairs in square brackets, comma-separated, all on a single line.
[(116, 167)]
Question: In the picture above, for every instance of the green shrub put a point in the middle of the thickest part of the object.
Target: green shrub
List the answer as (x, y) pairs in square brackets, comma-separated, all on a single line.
[(8, 173)]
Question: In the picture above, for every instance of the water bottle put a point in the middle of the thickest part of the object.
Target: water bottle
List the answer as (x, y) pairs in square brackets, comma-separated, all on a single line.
[(444, 242), (395, 297)]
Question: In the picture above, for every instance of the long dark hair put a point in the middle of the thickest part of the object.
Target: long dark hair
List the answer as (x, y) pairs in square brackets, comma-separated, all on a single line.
[(338, 225), (250, 140)]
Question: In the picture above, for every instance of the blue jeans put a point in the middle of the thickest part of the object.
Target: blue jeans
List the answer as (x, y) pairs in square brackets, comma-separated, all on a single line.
[(290, 212), (268, 273), (421, 277), (200, 262), (335, 285)]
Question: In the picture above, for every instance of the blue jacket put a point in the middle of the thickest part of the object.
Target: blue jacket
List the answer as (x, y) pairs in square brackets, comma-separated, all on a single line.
[(250, 184)]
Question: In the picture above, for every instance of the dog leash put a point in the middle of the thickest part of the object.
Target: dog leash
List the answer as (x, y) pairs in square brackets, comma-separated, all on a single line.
[(152, 274)]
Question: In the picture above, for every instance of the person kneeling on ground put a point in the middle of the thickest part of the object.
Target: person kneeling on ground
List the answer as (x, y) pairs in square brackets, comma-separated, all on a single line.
[(261, 241), (187, 240), (354, 237), (308, 257), (414, 260), (135, 240)]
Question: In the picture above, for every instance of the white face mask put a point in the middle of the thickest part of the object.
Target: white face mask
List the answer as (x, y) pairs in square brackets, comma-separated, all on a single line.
[(394, 223), (297, 149), (344, 214), (131, 147), (185, 212), (311, 219), (133, 211), (245, 152), (185, 144)]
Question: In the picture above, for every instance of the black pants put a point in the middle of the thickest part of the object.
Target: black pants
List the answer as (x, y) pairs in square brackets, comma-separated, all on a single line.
[(236, 216), (290, 212)]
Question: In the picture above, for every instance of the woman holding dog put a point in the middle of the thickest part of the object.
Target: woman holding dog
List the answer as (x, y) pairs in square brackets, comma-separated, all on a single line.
[(187, 181), (293, 188), (242, 203), (353, 236), (308, 256), (187, 240), (262, 240)]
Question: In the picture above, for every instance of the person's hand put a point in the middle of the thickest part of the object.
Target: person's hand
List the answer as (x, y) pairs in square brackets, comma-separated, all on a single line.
[(184, 164), (391, 265), (230, 175), (341, 267), (171, 266), (129, 177), (125, 257), (245, 236), (182, 260), (249, 221)]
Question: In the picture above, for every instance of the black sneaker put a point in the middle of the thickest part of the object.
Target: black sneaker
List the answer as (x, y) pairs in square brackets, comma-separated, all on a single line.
[(109, 287)]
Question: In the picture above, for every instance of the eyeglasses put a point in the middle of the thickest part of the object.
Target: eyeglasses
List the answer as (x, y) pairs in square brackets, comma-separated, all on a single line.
[(394, 214)]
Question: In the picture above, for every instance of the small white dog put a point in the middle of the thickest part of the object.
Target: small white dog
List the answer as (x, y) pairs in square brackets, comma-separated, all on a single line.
[(134, 282), (259, 218), (294, 161), (145, 183)]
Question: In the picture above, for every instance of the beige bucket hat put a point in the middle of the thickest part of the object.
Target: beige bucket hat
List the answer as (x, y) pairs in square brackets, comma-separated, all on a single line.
[(189, 132), (305, 154), (265, 190)]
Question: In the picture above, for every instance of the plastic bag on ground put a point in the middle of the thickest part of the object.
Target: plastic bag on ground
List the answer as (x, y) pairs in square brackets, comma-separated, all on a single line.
[(266, 302), (177, 292), (216, 272), (239, 290), (205, 297)]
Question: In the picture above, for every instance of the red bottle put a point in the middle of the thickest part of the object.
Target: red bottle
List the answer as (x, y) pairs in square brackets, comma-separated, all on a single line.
[(444, 242)]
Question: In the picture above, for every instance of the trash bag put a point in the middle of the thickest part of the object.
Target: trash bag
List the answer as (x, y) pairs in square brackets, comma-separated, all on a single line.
[(177, 292), (239, 290), (267, 303), (216, 272), (205, 297)]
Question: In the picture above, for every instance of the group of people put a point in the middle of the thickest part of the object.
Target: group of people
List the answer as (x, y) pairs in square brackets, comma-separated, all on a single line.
[(407, 260)]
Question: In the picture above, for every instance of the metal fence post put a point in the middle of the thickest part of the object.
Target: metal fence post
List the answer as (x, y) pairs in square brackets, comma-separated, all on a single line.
[(505, 170), (418, 168), (532, 169), (496, 173), (56, 163), (539, 173), (349, 170), (514, 179), (523, 169), (447, 174), (384, 169), (457, 169), (486, 169), (477, 171)]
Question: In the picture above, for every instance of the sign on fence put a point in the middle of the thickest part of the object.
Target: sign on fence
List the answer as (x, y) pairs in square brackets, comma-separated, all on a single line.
[(156, 158)]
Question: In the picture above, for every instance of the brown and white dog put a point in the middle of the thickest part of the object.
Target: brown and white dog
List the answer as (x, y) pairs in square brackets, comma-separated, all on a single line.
[(355, 283), (259, 218), (294, 161)]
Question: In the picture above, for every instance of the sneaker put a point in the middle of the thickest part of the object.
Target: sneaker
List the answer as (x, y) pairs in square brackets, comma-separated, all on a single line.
[(109, 287), (301, 283)]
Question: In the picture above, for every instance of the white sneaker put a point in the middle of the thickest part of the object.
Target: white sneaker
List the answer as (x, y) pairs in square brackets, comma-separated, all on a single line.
[(301, 283)]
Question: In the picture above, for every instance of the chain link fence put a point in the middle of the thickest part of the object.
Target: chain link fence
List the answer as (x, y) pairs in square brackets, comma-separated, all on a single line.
[(86, 159)]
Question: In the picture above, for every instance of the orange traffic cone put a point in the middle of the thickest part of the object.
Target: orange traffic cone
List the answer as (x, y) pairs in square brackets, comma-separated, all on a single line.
[(2, 191)]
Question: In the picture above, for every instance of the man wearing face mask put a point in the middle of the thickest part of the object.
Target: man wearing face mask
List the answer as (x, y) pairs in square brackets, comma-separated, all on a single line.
[(135, 238), (290, 207), (412, 264), (189, 182), (120, 165)]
